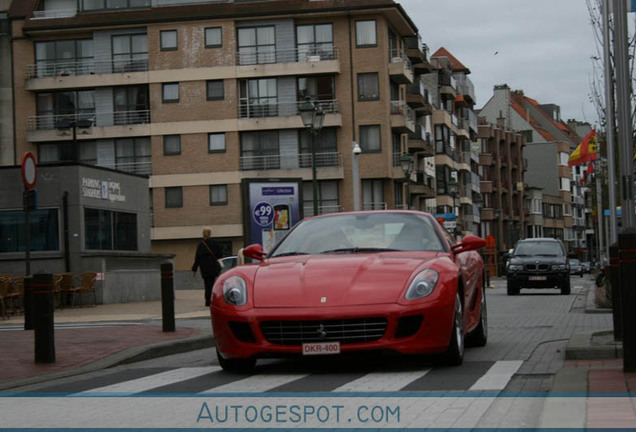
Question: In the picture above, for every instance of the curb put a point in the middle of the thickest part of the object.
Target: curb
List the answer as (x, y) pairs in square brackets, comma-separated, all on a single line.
[(126, 356), (582, 346)]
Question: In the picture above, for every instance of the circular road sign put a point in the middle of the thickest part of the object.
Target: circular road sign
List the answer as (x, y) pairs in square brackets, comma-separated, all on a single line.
[(29, 170)]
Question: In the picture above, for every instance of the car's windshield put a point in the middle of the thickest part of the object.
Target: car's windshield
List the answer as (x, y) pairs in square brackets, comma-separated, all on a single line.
[(575, 262), (542, 248), (361, 232)]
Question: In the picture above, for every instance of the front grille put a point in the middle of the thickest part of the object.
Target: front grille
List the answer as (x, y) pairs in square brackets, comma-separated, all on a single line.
[(346, 331), (538, 267)]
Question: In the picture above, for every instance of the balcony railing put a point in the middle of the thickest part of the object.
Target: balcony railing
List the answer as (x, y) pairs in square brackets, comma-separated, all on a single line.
[(309, 209), (86, 67), (293, 161), (54, 13), (374, 205), (116, 118), (141, 167), (265, 55), (400, 107), (398, 56), (282, 109)]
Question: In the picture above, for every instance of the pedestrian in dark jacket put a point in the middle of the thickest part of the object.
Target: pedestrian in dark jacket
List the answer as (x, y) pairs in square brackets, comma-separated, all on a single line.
[(207, 257)]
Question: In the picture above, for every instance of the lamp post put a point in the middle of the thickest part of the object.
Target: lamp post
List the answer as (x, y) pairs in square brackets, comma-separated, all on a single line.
[(65, 125), (313, 118), (356, 175), (406, 162)]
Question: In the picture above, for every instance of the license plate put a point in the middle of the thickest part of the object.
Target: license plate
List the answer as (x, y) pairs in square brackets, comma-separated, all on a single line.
[(538, 278), (321, 348)]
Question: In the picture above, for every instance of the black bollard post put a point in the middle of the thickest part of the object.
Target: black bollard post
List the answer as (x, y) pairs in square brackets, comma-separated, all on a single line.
[(627, 271), (28, 303), (612, 276), (43, 304), (167, 297)]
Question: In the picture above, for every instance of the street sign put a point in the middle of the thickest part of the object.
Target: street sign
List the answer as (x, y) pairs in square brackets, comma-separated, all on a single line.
[(29, 170)]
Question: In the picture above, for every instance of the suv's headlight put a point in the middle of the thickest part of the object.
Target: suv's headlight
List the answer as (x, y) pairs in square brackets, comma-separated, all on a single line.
[(559, 267), (423, 285), (515, 267), (235, 291)]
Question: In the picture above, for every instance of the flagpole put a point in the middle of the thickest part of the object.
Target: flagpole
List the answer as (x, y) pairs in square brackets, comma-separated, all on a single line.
[(600, 214), (609, 127)]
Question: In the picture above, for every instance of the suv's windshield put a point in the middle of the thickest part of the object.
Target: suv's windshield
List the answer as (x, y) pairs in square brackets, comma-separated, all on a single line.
[(541, 248)]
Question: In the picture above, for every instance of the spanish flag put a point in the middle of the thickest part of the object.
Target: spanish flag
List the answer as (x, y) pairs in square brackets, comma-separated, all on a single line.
[(587, 151), (587, 173)]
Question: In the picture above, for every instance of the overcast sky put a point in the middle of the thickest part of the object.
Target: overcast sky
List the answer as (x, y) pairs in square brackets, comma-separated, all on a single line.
[(543, 47)]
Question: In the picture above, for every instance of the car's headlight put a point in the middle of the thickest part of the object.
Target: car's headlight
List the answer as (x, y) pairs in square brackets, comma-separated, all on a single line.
[(235, 291), (423, 285), (559, 267), (516, 267)]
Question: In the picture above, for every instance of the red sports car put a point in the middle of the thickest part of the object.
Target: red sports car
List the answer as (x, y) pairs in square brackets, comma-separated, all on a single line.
[(347, 282)]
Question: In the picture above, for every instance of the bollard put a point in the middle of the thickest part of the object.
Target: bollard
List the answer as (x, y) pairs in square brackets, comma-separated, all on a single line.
[(627, 274), (612, 276), (28, 303), (167, 297), (43, 304)]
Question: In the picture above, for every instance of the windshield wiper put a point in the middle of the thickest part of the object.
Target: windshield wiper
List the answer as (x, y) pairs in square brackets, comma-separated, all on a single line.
[(358, 249), (289, 254)]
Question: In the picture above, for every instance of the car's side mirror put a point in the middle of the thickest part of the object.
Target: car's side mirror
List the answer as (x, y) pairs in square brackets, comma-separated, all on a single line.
[(254, 251), (470, 242)]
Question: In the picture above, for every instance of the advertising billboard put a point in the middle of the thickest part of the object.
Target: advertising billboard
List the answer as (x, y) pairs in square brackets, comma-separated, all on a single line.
[(271, 207)]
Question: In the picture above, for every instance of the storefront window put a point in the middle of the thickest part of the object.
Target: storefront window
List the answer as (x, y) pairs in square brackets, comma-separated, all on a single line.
[(108, 230), (44, 235)]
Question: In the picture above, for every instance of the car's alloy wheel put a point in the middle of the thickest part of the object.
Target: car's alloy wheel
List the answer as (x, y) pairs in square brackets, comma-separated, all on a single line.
[(236, 365), (455, 354), (479, 336)]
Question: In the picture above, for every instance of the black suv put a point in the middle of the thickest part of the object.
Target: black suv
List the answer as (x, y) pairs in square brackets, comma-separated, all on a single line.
[(538, 263)]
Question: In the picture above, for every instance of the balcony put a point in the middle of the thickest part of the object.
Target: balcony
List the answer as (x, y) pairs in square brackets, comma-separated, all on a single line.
[(402, 117), (418, 98), (289, 161), (447, 86), (286, 62), (322, 209), (116, 118), (486, 159), (374, 205), (400, 68), (421, 142), (424, 187), (466, 88), (250, 109), (86, 67), (140, 167), (485, 186), (54, 13)]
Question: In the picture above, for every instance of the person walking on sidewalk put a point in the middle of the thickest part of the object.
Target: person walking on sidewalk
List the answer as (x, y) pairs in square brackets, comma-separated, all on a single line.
[(207, 257)]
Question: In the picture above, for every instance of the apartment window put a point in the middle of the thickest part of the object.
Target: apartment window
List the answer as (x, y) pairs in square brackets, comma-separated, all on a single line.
[(174, 197), (66, 57), (373, 194), (260, 150), (366, 35), (214, 89), (44, 230), (563, 158), (64, 105), (326, 148), (171, 145), (565, 184), (258, 98), (170, 92), (368, 88), (92, 5), (213, 37), (131, 105), (321, 88), (314, 40), (109, 230), (328, 200), (567, 209), (218, 195), (370, 139), (257, 45), (168, 40), (216, 142), (130, 53), (133, 155)]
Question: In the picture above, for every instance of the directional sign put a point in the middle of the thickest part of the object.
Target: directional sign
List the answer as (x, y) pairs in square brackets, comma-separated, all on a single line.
[(29, 170)]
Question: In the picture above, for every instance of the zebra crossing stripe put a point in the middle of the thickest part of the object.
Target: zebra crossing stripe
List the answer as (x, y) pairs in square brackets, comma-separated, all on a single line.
[(256, 383), (497, 376), (156, 380), (382, 382)]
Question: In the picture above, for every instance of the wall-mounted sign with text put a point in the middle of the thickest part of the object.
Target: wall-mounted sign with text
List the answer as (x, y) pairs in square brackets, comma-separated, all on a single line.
[(102, 189)]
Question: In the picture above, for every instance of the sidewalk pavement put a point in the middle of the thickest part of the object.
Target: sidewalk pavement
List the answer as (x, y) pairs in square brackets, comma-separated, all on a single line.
[(93, 338)]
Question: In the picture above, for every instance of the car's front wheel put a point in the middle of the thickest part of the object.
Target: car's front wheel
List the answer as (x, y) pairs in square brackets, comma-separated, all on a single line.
[(236, 365), (479, 336), (454, 355)]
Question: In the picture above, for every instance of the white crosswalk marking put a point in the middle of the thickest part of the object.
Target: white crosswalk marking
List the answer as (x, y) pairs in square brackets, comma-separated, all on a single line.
[(382, 382), (256, 383), (498, 375), (155, 380)]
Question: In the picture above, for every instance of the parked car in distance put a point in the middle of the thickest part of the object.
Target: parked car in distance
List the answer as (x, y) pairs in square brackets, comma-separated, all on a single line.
[(576, 267), (538, 263), (586, 266), (367, 282)]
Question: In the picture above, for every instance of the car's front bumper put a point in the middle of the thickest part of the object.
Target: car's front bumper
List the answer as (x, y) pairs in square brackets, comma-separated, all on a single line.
[(432, 334), (542, 280)]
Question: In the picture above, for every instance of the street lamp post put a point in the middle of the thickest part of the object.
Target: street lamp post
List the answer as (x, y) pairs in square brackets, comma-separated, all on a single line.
[(356, 149), (406, 162), (313, 118), (65, 125)]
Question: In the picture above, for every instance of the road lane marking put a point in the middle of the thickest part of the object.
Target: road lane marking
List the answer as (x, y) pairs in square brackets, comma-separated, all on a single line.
[(256, 383), (497, 376), (382, 381)]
